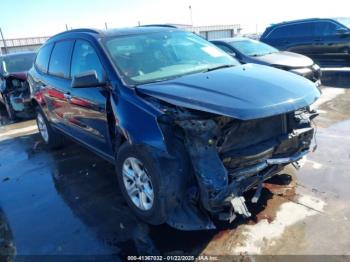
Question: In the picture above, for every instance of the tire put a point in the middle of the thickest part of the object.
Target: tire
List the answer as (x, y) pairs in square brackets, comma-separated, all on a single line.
[(48, 135), (10, 112), (164, 185)]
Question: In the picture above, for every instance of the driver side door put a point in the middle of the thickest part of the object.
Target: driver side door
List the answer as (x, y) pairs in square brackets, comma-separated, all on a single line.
[(88, 112)]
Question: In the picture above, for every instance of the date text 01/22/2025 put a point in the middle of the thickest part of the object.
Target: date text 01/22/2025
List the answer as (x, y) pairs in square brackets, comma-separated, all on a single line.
[(173, 258)]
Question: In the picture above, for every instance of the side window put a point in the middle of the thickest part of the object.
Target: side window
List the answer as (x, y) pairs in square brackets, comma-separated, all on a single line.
[(279, 32), (42, 59), (293, 30), (85, 59), (60, 59), (301, 30), (225, 48), (325, 28)]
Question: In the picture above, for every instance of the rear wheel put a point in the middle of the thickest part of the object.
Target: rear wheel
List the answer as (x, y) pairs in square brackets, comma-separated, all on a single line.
[(49, 136)]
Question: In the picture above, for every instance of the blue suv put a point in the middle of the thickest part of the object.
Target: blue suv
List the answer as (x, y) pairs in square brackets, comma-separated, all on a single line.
[(188, 128), (321, 39)]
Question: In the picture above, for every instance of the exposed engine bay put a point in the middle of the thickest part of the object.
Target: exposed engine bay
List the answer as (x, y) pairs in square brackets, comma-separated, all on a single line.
[(230, 156)]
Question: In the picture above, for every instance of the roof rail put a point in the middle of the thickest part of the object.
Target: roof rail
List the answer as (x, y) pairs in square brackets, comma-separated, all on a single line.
[(299, 20), (79, 30), (158, 25)]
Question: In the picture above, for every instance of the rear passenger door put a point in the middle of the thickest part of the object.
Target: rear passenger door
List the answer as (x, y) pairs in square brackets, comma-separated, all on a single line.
[(301, 38), (88, 115), (57, 83)]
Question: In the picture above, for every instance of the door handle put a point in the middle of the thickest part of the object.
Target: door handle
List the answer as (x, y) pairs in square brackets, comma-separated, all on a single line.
[(67, 96)]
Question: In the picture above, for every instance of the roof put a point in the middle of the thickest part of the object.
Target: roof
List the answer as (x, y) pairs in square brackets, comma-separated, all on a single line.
[(117, 31), (300, 20), (232, 39), (137, 30)]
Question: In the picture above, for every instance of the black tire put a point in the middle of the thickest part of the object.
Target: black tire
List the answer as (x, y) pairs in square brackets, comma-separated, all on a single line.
[(166, 185), (54, 139), (10, 112)]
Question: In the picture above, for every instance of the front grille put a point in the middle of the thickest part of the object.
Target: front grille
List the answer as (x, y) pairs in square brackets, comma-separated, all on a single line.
[(314, 75), (244, 144), (237, 135)]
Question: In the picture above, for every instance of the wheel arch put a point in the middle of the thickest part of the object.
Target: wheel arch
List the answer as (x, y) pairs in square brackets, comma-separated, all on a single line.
[(134, 121)]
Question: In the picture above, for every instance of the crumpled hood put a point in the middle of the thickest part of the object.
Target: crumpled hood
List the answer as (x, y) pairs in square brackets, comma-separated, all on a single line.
[(287, 59), (243, 92), (18, 75)]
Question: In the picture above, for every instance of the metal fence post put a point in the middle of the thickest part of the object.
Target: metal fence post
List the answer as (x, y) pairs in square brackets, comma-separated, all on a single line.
[(4, 42)]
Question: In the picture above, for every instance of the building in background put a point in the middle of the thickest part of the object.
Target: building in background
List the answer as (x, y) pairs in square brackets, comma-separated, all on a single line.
[(212, 31), (208, 32), (21, 44)]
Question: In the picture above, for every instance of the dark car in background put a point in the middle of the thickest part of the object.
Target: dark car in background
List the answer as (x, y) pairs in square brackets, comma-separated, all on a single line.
[(188, 128), (14, 89), (325, 40), (247, 50)]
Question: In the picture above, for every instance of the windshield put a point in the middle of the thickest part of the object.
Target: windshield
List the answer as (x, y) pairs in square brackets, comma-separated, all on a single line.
[(253, 48), (344, 21), (160, 56), (18, 63)]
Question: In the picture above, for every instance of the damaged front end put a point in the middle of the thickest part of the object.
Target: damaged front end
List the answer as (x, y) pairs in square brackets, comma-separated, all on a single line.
[(16, 95), (230, 156)]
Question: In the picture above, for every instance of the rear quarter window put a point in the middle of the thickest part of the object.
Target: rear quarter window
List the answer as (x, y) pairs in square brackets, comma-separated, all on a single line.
[(43, 57), (325, 28), (60, 59)]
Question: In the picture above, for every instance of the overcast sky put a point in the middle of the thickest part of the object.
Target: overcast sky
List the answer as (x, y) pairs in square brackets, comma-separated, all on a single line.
[(22, 18)]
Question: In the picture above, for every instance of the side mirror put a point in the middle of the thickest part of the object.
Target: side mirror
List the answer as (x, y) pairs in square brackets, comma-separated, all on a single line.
[(342, 32), (86, 79)]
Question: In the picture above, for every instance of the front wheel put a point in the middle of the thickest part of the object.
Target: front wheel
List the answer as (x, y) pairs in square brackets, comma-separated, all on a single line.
[(150, 191), (49, 136)]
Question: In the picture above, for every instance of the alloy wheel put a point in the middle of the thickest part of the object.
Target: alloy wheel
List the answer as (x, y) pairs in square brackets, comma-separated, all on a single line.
[(138, 184), (42, 128)]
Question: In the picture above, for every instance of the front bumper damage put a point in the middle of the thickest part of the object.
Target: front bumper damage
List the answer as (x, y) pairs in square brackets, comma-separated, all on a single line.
[(15, 91), (224, 170)]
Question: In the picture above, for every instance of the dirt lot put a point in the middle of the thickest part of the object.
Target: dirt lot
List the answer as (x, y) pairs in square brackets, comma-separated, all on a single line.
[(67, 201)]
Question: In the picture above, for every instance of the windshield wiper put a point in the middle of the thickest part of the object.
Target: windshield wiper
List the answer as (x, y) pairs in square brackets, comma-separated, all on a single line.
[(217, 67)]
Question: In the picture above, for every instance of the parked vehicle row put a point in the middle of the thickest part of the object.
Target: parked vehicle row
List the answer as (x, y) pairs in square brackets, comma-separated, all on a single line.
[(325, 40), (14, 89), (246, 50), (188, 127)]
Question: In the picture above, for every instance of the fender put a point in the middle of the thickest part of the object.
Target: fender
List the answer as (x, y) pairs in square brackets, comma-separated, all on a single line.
[(136, 119)]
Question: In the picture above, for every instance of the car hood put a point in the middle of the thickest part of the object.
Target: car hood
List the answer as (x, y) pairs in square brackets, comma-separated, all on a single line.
[(286, 59), (18, 75), (243, 92)]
